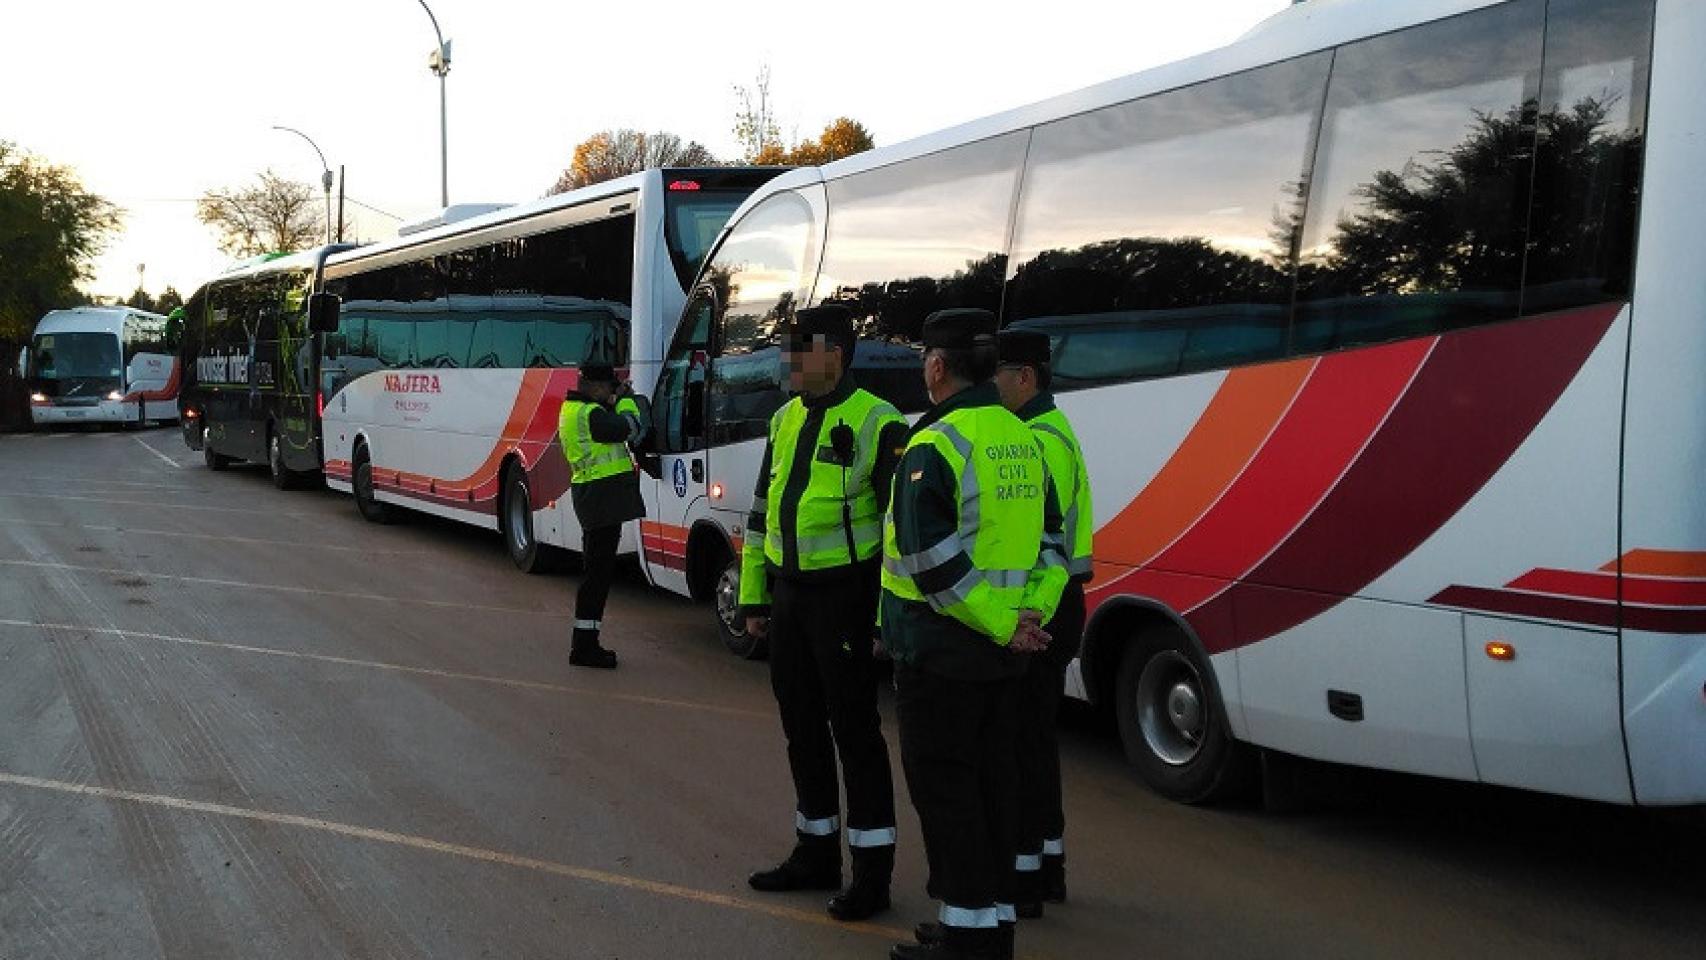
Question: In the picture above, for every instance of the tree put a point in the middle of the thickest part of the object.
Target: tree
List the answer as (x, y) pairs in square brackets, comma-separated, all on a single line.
[(169, 299), (841, 138), (609, 154), (51, 229), (276, 215), (755, 120)]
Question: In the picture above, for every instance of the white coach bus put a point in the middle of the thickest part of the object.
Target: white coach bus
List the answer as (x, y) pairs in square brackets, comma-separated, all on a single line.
[(102, 365), (455, 346), (1382, 330)]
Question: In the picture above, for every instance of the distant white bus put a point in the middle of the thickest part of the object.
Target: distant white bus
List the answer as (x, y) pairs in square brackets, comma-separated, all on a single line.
[(102, 365)]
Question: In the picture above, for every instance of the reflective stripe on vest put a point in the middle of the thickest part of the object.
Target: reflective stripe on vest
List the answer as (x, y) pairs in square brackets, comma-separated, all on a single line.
[(588, 459), (1000, 478), (820, 536), (1072, 487)]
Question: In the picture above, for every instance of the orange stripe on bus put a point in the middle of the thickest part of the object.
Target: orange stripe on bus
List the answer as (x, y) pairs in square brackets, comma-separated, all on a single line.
[(1662, 563), (1228, 434)]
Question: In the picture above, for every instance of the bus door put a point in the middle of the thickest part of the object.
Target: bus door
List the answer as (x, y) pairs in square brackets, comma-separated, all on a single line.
[(676, 486)]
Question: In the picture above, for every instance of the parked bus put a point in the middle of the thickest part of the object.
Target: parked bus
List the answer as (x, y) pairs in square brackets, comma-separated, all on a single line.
[(1396, 445), (455, 346), (102, 365), (251, 363)]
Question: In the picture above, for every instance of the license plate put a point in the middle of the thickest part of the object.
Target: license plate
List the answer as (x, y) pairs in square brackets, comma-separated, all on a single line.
[(74, 413)]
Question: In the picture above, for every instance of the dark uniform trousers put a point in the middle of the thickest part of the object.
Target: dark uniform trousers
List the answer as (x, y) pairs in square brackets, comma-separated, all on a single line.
[(598, 552), (957, 741), (1040, 815), (825, 677)]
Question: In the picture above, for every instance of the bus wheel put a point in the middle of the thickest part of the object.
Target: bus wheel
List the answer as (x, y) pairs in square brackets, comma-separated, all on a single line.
[(1173, 727), (362, 484), (214, 461), (731, 626), (283, 477), (516, 522)]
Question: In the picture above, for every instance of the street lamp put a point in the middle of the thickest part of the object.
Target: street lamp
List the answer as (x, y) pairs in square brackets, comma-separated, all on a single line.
[(325, 175), (439, 63)]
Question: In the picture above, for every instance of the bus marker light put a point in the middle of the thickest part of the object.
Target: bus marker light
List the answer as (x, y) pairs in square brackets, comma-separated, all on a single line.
[(716, 491), (319, 403), (1500, 650), (190, 414), (680, 185)]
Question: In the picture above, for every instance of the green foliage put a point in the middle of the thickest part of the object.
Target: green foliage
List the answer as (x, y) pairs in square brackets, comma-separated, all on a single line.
[(51, 229)]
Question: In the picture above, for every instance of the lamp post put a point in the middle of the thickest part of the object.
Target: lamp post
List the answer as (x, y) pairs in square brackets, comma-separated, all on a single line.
[(325, 175), (439, 63)]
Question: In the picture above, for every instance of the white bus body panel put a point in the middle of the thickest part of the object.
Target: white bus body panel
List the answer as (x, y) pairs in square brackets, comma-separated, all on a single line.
[(1664, 467)]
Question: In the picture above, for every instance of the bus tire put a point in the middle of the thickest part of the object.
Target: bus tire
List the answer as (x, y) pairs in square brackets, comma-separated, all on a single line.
[(731, 625), (283, 477), (214, 461), (1172, 724), (361, 484), (515, 521)]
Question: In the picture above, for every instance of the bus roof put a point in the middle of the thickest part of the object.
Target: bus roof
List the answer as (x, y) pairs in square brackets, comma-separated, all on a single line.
[(89, 318), (1300, 29), (532, 208)]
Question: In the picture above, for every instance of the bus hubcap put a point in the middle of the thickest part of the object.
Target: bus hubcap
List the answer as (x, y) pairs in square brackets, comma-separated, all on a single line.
[(519, 536), (1170, 708), (728, 601)]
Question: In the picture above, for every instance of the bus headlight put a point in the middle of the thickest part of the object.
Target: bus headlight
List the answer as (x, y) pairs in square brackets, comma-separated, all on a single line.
[(115, 395), (38, 398)]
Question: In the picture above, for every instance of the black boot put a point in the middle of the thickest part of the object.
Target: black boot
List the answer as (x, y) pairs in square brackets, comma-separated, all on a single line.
[(927, 932), (957, 943), (1054, 878), (815, 864), (1004, 940), (1028, 894), (584, 651), (868, 894)]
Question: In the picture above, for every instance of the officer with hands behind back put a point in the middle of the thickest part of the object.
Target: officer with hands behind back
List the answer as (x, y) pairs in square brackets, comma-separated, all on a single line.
[(809, 581), (971, 569), (597, 422)]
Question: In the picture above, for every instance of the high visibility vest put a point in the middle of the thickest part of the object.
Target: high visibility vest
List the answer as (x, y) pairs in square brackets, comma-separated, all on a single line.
[(1001, 481), (1071, 477), (588, 459), (820, 529)]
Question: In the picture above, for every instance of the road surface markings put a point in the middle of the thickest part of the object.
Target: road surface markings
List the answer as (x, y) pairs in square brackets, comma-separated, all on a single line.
[(155, 504), (175, 465), (399, 668), (101, 481), (283, 588), (254, 541), (480, 854)]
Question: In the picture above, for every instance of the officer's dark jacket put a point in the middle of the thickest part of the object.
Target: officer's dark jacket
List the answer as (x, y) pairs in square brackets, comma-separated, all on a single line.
[(925, 512), (812, 437), (612, 500)]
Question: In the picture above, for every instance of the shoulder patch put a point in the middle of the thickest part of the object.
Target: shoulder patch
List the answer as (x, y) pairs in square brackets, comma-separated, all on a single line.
[(916, 475)]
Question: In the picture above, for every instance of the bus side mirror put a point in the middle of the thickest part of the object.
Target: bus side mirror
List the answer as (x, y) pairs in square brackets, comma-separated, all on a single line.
[(652, 464), (323, 312), (23, 362)]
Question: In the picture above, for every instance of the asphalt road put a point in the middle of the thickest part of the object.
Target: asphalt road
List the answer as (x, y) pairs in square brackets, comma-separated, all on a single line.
[(236, 722)]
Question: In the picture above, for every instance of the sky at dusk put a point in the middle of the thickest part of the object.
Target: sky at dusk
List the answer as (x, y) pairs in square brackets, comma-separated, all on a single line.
[(153, 103)]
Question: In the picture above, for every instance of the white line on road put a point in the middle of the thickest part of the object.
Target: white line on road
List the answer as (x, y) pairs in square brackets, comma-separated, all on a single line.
[(600, 877), (258, 541), (282, 588), (100, 481), (155, 504), (399, 668), (175, 465)]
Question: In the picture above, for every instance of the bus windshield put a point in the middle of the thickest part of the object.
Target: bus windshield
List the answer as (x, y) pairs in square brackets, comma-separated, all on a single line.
[(691, 224), (75, 356)]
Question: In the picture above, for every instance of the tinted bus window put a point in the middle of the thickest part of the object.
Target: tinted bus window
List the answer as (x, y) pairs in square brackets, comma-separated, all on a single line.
[(1418, 207), (912, 238), (692, 221), (1593, 110), (760, 273), (1157, 237)]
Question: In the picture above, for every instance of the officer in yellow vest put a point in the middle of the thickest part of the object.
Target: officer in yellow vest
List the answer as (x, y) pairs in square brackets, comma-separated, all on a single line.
[(809, 580), (971, 570), (598, 420), (1023, 378)]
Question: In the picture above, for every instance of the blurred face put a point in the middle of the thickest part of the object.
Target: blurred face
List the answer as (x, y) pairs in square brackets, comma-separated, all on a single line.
[(1017, 384), (813, 365)]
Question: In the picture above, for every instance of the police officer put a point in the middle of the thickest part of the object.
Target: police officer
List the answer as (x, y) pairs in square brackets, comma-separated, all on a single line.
[(1023, 378), (809, 582), (597, 421), (969, 575)]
